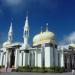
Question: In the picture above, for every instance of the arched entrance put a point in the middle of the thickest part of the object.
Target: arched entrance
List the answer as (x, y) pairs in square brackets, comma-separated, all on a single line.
[(12, 58)]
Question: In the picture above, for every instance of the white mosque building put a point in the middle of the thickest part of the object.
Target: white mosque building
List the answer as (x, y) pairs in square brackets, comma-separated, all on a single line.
[(43, 53)]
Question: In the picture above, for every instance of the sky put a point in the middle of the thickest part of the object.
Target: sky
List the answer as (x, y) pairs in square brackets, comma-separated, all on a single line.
[(59, 14)]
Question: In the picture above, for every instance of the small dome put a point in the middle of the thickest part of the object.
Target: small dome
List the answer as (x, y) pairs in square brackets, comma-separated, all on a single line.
[(6, 44), (25, 46), (72, 45), (44, 37)]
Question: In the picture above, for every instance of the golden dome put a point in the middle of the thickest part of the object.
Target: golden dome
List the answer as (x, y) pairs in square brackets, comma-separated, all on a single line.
[(44, 37), (6, 44), (48, 35)]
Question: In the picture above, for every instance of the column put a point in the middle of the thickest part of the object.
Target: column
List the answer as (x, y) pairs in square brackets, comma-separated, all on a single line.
[(56, 57), (24, 58), (4, 60), (32, 60), (27, 61), (6, 55), (68, 63), (16, 58), (8, 58), (1, 58), (36, 60), (49, 56), (62, 58), (39, 58), (73, 61), (20, 59), (28, 58), (43, 57)]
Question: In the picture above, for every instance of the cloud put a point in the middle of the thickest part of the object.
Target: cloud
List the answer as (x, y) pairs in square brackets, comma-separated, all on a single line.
[(12, 2), (21, 5), (68, 39), (14, 6)]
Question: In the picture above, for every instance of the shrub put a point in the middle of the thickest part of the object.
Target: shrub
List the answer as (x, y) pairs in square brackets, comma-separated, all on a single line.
[(2, 66), (23, 69), (39, 69)]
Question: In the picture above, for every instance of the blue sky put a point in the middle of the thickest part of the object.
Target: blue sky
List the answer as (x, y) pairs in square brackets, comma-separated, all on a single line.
[(60, 14)]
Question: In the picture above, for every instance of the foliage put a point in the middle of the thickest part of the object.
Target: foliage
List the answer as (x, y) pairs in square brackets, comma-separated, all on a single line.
[(23, 69), (2, 66), (39, 69)]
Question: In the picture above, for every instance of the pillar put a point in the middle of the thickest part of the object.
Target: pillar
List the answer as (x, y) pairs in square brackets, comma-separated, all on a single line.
[(62, 58), (20, 59), (36, 59), (16, 58), (6, 56), (24, 58), (1, 58), (56, 57), (49, 60)]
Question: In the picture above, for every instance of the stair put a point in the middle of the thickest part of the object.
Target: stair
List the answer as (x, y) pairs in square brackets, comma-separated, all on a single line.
[(4, 70)]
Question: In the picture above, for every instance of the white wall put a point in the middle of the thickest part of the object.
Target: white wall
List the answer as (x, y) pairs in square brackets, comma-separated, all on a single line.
[(61, 59), (39, 60), (20, 59), (4, 60), (26, 59), (1, 58), (36, 58), (48, 56)]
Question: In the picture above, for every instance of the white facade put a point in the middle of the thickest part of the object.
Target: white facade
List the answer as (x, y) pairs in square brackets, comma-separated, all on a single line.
[(49, 57), (21, 54)]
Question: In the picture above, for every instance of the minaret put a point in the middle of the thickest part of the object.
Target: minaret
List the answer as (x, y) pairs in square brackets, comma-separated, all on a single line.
[(26, 31), (10, 33)]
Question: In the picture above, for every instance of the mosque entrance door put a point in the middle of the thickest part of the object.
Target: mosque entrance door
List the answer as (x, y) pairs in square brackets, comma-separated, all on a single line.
[(12, 58), (69, 59)]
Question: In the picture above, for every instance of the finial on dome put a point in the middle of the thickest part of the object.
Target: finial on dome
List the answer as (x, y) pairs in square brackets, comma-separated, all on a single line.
[(46, 26)]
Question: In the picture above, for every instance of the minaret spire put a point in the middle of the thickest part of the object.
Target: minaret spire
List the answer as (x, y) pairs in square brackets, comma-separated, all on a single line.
[(26, 30), (10, 33), (26, 26)]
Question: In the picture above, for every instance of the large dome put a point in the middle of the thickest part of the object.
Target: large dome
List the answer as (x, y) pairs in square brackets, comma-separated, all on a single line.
[(6, 44), (44, 37)]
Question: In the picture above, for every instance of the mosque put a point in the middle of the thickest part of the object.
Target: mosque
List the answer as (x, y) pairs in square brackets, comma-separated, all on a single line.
[(44, 52)]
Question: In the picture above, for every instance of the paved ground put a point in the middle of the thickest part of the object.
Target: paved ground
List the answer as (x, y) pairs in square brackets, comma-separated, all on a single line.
[(17, 73)]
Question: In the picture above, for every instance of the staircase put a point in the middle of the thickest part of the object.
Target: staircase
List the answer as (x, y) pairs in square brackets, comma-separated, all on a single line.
[(4, 70)]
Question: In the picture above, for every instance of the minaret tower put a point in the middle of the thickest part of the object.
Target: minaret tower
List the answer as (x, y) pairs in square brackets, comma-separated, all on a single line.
[(10, 33), (26, 31)]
